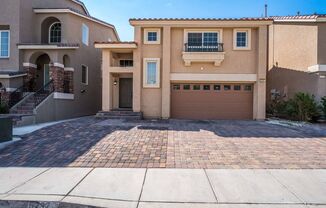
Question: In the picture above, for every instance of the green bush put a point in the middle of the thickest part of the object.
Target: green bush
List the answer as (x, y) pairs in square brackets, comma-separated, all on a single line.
[(323, 105), (3, 108), (302, 107)]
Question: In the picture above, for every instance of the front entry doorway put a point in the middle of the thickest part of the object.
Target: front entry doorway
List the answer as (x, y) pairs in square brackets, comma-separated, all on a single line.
[(125, 93)]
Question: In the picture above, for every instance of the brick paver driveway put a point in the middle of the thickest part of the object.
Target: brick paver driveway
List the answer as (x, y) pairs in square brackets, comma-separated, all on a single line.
[(91, 142)]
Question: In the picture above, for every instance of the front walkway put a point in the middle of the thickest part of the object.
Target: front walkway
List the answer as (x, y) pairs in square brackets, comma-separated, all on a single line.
[(91, 142), (164, 188)]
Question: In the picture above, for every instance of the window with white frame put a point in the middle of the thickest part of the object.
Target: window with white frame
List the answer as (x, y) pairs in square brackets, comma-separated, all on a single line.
[(84, 75), (55, 33), (4, 43), (203, 41), (241, 39), (152, 36), (151, 73), (85, 34)]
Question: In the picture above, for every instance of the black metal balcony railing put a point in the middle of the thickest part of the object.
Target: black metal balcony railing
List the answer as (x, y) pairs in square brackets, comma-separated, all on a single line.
[(212, 48)]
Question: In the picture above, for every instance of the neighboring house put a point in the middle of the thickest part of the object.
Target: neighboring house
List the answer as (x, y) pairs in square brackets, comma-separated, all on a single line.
[(48, 62), (297, 56), (188, 69)]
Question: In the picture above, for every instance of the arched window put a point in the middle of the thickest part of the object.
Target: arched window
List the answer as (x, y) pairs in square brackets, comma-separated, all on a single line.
[(55, 33)]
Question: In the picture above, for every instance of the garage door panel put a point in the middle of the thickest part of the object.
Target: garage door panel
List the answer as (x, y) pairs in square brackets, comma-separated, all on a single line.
[(210, 104)]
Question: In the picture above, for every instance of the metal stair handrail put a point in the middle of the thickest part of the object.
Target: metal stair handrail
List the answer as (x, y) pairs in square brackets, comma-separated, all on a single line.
[(46, 90), (19, 94)]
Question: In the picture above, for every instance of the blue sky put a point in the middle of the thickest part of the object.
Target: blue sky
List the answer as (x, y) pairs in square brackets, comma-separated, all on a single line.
[(118, 12)]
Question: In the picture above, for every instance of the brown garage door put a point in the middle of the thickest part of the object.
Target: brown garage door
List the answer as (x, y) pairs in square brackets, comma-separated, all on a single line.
[(212, 101)]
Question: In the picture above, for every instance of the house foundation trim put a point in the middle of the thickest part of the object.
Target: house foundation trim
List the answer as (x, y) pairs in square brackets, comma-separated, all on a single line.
[(63, 96), (30, 65)]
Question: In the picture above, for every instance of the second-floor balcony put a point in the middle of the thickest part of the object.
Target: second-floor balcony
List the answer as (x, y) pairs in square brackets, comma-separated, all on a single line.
[(213, 53), (218, 47)]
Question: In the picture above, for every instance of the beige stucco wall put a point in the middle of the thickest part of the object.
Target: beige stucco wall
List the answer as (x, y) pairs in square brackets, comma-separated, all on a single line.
[(322, 43), (293, 46), (235, 62)]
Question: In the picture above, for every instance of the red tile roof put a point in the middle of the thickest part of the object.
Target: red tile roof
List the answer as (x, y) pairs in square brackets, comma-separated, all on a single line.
[(117, 42), (299, 17), (203, 19)]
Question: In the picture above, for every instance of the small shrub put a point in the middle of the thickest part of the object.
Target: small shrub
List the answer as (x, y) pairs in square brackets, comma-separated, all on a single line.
[(3, 108), (302, 107), (323, 105)]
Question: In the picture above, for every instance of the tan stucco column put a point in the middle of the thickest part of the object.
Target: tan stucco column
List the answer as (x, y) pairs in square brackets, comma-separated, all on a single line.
[(106, 81), (166, 68), (260, 85), (137, 81)]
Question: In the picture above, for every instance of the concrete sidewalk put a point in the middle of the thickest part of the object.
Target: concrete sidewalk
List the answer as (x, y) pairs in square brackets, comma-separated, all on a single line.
[(166, 188)]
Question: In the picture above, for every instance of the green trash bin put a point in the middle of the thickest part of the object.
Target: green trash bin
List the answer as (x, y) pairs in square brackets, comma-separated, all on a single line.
[(5, 129)]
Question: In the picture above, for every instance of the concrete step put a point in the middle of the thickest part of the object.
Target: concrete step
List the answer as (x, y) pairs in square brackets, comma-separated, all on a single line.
[(129, 115)]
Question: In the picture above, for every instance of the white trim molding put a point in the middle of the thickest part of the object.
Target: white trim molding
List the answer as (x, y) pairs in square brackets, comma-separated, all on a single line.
[(57, 65), (30, 65), (214, 57), (116, 45), (317, 68), (7, 76), (46, 47), (158, 35), (63, 96), (10, 89), (248, 43), (158, 76), (213, 77), (70, 69)]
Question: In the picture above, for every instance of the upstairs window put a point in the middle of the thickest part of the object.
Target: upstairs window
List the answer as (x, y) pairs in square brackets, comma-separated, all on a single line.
[(151, 73), (4, 43), (84, 75), (55, 33), (203, 42), (152, 36), (241, 39), (85, 34), (126, 63)]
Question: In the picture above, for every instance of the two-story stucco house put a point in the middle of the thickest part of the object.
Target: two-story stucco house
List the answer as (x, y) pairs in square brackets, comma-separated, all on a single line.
[(48, 62), (188, 69), (297, 56)]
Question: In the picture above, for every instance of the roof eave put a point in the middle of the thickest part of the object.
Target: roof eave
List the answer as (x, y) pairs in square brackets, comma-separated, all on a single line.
[(115, 45), (58, 11), (203, 23), (82, 5)]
